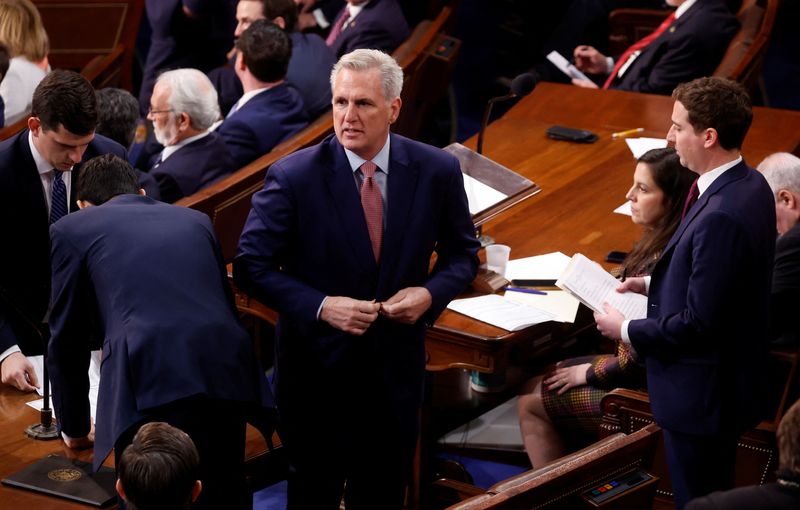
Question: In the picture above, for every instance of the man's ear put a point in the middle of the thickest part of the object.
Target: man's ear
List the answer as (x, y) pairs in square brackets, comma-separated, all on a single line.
[(120, 490), (787, 199), (280, 22), (34, 124), (198, 487), (83, 204), (142, 192), (710, 137)]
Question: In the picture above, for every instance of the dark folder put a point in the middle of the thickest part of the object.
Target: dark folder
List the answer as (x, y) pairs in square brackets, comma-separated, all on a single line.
[(67, 478)]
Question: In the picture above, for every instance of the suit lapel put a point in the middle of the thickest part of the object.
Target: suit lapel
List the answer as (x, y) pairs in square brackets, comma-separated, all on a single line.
[(345, 199), (30, 180)]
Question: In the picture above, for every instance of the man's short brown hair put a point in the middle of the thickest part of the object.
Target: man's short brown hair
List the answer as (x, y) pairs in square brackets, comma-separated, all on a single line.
[(717, 103)]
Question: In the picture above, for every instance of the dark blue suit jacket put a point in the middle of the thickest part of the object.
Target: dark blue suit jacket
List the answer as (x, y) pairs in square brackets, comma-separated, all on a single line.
[(154, 276), (786, 289), (25, 257), (381, 25), (193, 167), (306, 238), (692, 47), (262, 123), (705, 335)]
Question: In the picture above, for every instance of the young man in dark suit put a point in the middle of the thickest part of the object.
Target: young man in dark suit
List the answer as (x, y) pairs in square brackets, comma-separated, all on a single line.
[(152, 276), (704, 339), (339, 242), (36, 165), (372, 24), (270, 109)]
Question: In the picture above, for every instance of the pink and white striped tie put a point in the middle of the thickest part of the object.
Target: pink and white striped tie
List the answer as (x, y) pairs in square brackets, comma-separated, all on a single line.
[(372, 203), (337, 28)]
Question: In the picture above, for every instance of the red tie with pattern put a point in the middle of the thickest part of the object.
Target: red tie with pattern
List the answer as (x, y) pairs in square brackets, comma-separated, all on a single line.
[(691, 199), (337, 28), (372, 203), (638, 46)]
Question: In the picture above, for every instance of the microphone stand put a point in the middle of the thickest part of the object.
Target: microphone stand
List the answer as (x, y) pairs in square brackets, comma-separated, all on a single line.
[(44, 430)]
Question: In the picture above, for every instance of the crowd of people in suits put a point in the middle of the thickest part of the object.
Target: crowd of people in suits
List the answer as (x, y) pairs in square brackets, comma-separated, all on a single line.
[(98, 259)]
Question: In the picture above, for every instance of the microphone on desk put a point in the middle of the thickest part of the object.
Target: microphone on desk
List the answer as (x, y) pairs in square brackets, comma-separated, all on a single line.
[(44, 430), (521, 86)]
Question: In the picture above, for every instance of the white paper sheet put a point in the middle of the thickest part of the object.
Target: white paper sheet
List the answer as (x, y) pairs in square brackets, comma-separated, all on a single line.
[(503, 313), (639, 146), (563, 64), (557, 302), (624, 209), (480, 196), (94, 381), (541, 267)]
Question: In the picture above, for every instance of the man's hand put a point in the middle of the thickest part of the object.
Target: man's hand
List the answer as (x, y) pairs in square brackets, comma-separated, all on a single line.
[(80, 443), (349, 315), (567, 377), (589, 60), (305, 21), (408, 305), (635, 284), (18, 372), (609, 324), (584, 83)]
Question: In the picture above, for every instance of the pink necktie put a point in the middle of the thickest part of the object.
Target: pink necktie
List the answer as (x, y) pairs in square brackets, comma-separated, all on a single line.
[(337, 28), (691, 198), (638, 46), (372, 203)]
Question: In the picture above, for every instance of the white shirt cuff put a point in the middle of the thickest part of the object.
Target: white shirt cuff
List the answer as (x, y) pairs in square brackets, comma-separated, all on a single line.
[(8, 352), (322, 21), (647, 284), (609, 65), (626, 337), (319, 310)]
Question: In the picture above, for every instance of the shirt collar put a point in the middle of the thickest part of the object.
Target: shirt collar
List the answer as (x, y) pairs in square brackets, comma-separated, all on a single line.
[(683, 8), (705, 180), (172, 149), (355, 9), (41, 164), (247, 96), (381, 159)]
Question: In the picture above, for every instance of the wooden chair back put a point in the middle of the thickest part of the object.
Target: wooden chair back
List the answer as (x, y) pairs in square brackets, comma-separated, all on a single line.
[(561, 483), (80, 30)]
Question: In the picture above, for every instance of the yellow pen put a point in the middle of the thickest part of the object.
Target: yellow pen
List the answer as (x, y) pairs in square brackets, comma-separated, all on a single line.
[(628, 132)]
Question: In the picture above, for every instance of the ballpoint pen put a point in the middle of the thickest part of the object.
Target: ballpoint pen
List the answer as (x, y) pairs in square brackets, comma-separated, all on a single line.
[(527, 291), (627, 132)]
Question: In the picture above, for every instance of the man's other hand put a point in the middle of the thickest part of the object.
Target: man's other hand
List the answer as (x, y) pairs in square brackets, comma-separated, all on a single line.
[(589, 60), (349, 315), (408, 305), (18, 372)]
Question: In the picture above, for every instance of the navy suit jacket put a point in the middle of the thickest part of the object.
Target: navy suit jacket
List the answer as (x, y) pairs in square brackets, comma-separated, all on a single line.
[(692, 47), (263, 122), (154, 276), (25, 257), (786, 289), (193, 167), (704, 339), (381, 25), (306, 238)]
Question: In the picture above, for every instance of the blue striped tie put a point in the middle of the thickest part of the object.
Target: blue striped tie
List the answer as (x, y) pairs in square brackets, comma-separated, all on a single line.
[(58, 205)]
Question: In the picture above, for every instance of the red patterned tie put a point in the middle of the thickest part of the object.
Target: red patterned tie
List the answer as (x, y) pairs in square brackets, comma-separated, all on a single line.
[(638, 46), (337, 28), (691, 199), (372, 203)]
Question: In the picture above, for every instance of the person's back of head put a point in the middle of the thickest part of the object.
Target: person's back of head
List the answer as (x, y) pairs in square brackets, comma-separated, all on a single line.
[(782, 171), (789, 443), (285, 9), (265, 50), (159, 470), (22, 30), (65, 98), (118, 114), (103, 178), (717, 103)]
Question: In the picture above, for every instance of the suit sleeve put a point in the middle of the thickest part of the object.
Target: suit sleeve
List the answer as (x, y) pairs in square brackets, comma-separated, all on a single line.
[(269, 234), (720, 250), (240, 140), (456, 247), (68, 351)]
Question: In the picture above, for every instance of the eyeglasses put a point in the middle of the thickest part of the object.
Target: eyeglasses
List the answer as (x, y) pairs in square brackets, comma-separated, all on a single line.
[(150, 111)]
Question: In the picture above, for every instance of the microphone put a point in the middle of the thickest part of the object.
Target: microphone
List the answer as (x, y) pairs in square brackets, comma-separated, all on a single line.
[(521, 86)]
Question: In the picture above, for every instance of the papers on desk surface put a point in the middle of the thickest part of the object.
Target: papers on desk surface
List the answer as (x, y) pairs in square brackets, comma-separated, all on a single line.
[(639, 146), (558, 60), (592, 285), (541, 267), (500, 312), (624, 209), (560, 304), (481, 196), (94, 381)]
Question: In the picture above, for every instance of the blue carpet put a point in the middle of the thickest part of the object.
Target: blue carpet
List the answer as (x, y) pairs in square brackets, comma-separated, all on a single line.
[(485, 473), (271, 498)]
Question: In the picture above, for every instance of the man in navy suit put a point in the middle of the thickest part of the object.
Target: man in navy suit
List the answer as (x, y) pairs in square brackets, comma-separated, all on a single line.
[(350, 279), (183, 109), (151, 277), (309, 65), (704, 339), (47, 155), (375, 24), (270, 111), (690, 46)]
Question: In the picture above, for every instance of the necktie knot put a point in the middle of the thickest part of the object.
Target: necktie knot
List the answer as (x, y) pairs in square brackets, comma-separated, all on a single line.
[(368, 169), (691, 198)]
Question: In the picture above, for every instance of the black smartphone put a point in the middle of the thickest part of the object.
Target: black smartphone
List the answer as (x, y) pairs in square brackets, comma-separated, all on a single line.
[(616, 257)]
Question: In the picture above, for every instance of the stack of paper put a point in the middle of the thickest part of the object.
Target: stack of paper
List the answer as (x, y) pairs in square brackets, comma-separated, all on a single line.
[(503, 313)]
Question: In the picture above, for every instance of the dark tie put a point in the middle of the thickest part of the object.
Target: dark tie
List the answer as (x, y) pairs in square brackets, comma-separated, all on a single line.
[(638, 46), (158, 160), (372, 203), (691, 198), (337, 28), (58, 197)]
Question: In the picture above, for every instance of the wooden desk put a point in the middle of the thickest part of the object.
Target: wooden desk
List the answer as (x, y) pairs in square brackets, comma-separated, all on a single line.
[(581, 185)]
